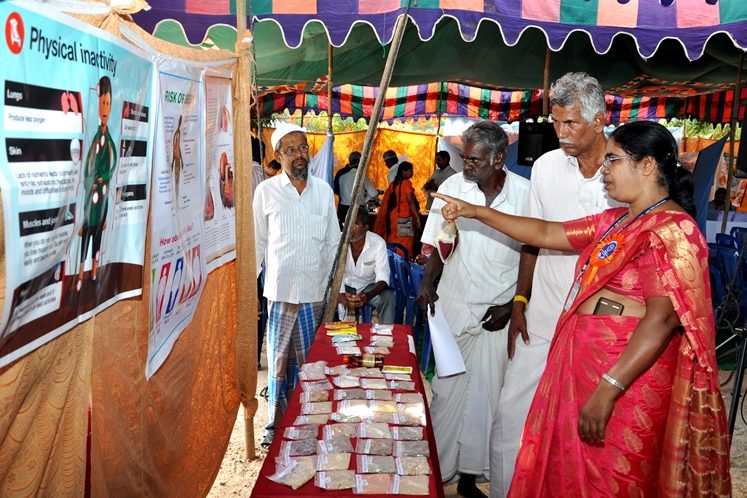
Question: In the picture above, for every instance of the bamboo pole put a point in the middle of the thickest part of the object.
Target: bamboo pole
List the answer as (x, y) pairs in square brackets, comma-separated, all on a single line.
[(546, 84), (246, 285), (338, 268), (329, 88), (735, 104)]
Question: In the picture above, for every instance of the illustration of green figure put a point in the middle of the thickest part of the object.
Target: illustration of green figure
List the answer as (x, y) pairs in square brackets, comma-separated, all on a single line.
[(99, 169)]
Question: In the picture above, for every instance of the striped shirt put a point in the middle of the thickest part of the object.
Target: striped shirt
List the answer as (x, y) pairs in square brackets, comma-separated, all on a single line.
[(558, 192), (296, 235)]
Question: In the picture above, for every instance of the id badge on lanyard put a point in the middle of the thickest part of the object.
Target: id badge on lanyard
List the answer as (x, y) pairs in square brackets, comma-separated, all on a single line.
[(572, 294)]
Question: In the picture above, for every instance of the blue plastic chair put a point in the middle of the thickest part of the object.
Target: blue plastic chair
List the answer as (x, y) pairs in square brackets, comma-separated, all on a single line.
[(399, 249), (364, 314), (420, 320), (740, 236), (726, 239), (725, 260), (397, 286)]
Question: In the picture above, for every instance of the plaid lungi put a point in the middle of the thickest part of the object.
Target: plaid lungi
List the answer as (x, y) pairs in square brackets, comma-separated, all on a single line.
[(291, 329)]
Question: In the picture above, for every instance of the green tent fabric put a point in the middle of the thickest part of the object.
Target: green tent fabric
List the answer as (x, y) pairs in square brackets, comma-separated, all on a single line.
[(486, 60)]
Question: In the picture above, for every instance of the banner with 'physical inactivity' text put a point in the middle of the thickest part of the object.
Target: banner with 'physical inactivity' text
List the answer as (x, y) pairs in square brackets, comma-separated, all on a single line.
[(74, 173)]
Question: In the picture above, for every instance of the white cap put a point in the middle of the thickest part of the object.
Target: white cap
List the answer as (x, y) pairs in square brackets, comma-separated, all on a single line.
[(282, 130)]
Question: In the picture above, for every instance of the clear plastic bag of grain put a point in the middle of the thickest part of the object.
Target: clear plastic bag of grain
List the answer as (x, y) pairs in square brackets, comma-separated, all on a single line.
[(373, 446), (409, 485), (300, 447), (313, 371), (320, 408), (333, 461), (411, 448), (294, 475), (412, 466), (311, 419), (373, 430), (335, 479), (373, 383), (372, 484), (337, 444), (316, 385), (401, 385), (379, 394), (408, 398), (314, 396), (340, 394), (375, 464), (346, 381), (407, 433), (343, 429), (301, 432)]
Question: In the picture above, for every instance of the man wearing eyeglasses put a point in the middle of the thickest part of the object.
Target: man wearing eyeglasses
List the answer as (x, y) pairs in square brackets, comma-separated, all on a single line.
[(474, 296), (296, 235), (566, 184)]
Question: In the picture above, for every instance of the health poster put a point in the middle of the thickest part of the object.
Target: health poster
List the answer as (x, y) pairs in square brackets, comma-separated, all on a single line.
[(219, 212), (177, 264), (74, 173)]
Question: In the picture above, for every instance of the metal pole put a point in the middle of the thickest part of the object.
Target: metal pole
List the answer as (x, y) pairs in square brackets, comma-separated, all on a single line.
[(735, 104), (338, 268)]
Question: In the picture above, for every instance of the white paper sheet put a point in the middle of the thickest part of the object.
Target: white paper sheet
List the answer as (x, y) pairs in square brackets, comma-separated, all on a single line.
[(448, 358)]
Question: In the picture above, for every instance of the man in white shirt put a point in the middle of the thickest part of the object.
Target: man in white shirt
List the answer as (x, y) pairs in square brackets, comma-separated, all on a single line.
[(475, 293), (443, 171), (566, 184), (296, 235), (346, 181), (366, 279), (392, 162)]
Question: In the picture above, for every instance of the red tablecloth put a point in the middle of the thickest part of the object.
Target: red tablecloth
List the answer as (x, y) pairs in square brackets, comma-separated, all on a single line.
[(322, 349)]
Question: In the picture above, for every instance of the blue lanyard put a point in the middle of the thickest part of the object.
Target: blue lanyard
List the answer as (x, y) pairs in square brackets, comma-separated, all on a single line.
[(617, 222)]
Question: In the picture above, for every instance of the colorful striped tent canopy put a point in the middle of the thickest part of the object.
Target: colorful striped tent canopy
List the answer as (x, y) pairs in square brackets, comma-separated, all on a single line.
[(691, 22), (499, 105), (487, 60)]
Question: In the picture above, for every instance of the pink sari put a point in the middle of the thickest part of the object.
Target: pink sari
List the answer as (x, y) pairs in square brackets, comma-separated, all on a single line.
[(667, 435)]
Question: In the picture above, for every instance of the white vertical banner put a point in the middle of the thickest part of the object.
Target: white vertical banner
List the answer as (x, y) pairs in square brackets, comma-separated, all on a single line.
[(219, 212), (178, 270)]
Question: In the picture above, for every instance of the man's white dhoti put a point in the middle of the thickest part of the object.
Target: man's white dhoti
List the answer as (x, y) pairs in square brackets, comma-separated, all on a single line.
[(465, 405)]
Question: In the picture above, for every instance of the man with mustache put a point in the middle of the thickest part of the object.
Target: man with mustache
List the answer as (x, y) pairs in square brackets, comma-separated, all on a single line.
[(296, 235), (566, 184), (478, 283)]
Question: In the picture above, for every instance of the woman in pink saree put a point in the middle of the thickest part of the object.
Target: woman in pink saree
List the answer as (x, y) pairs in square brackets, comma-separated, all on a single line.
[(628, 404)]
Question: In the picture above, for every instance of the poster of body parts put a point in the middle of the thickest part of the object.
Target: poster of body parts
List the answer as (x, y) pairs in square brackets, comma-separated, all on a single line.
[(219, 213), (178, 268), (74, 173)]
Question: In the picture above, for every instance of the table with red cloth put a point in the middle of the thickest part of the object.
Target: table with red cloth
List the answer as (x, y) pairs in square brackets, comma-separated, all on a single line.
[(322, 349)]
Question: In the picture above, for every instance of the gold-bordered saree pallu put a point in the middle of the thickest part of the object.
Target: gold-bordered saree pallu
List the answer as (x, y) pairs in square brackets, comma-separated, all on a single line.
[(667, 435)]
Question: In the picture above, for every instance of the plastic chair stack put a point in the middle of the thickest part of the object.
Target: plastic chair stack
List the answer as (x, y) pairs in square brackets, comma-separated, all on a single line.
[(420, 318), (395, 279)]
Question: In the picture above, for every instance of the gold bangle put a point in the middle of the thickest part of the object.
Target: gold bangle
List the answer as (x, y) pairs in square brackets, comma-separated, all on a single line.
[(518, 298), (614, 382)]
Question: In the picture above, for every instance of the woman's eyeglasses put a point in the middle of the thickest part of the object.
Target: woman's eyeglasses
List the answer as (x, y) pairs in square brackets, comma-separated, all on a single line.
[(608, 160)]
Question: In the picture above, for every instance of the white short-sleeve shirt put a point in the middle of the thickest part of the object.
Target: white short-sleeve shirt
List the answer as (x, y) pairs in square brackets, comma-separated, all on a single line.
[(558, 192), (484, 267)]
